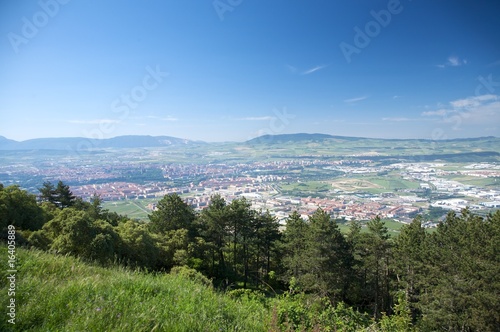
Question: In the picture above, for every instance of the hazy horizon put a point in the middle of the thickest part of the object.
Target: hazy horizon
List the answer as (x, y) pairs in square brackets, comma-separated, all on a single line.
[(242, 141), (231, 71)]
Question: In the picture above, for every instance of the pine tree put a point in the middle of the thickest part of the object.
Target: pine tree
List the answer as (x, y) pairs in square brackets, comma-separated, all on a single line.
[(316, 255), (64, 196), (328, 258), (377, 262), (267, 236), (357, 277), (462, 284), (61, 196), (409, 262), (48, 193), (294, 247), (242, 230), (214, 228), (172, 213)]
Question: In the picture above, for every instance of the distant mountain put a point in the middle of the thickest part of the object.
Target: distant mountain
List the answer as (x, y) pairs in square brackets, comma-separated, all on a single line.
[(143, 141), (80, 143), (5, 142), (303, 137), (285, 138)]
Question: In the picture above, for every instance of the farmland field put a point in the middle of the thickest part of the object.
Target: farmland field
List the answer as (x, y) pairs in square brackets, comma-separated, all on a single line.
[(135, 209)]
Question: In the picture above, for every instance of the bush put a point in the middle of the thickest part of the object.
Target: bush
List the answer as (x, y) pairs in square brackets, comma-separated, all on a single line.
[(191, 274)]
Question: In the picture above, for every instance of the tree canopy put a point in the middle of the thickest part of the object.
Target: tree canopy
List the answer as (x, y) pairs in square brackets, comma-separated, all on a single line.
[(442, 280)]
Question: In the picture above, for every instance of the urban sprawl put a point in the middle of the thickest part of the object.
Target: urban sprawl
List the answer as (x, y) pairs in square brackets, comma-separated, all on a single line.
[(350, 195)]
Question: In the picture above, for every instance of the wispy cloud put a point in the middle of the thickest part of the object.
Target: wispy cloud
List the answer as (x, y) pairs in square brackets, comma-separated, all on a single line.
[(167, 118), (354, 100), (493, 64), (398, 119), (453, 61), (95, 121), (257, 118), (296, 71), (313, 70), (291, 69), (483, 110), (473, 102), (439, 112)]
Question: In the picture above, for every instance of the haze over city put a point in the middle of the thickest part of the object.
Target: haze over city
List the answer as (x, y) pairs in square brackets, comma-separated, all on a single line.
[(231, 71)]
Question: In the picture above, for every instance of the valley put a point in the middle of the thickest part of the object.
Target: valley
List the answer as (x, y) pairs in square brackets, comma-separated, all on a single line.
[(350, 178)]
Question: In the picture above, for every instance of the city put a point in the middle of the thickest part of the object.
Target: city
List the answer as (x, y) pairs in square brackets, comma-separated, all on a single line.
[(345, 186)]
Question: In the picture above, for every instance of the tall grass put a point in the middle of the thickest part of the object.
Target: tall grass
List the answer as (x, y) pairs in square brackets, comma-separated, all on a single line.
[(56, 293)]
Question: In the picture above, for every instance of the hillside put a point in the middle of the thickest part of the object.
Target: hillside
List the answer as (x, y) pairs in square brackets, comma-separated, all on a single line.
[(57, 293), (271, 285), (300, 137), (316, 137), (81, 143), (485, 149), (315, 141)]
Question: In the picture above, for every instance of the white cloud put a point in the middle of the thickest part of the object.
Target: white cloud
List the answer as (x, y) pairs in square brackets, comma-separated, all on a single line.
[(96, 121), (353, 100), (439, 112), (257, 118), (397, 119), (476, 110), (314, 69), (453, 61), (472, 102), (294, 70), (167, 118)]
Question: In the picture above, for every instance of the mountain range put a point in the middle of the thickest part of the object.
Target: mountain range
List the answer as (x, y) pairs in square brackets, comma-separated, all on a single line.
[(144, 141), (81, 143)]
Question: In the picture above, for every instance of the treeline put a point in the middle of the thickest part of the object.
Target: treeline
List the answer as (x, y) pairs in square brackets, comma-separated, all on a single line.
[(448, 279)]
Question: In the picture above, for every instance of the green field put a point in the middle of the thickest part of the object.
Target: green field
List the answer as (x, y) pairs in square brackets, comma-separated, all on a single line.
[(135, 209), (475, 181), (373, 185), (393, 183), (392, 225), (305, 187)]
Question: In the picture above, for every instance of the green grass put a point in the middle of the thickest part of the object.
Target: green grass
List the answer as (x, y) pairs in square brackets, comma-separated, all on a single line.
[(392, 226), (56, 293), (134, 209), (475, 181), (391, 183), (307, 186)]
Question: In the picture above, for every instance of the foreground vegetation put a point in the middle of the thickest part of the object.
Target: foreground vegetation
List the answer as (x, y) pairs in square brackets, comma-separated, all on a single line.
[(61, 293), (230, 268)]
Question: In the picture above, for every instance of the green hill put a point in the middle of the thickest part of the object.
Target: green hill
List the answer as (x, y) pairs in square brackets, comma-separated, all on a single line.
[(58, 293)]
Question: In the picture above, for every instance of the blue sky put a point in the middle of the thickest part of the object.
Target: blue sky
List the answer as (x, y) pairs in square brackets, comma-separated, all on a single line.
[(231, 70)]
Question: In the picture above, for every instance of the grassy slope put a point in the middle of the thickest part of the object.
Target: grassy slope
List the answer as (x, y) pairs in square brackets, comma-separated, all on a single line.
[(57, 293), (393, 227)]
